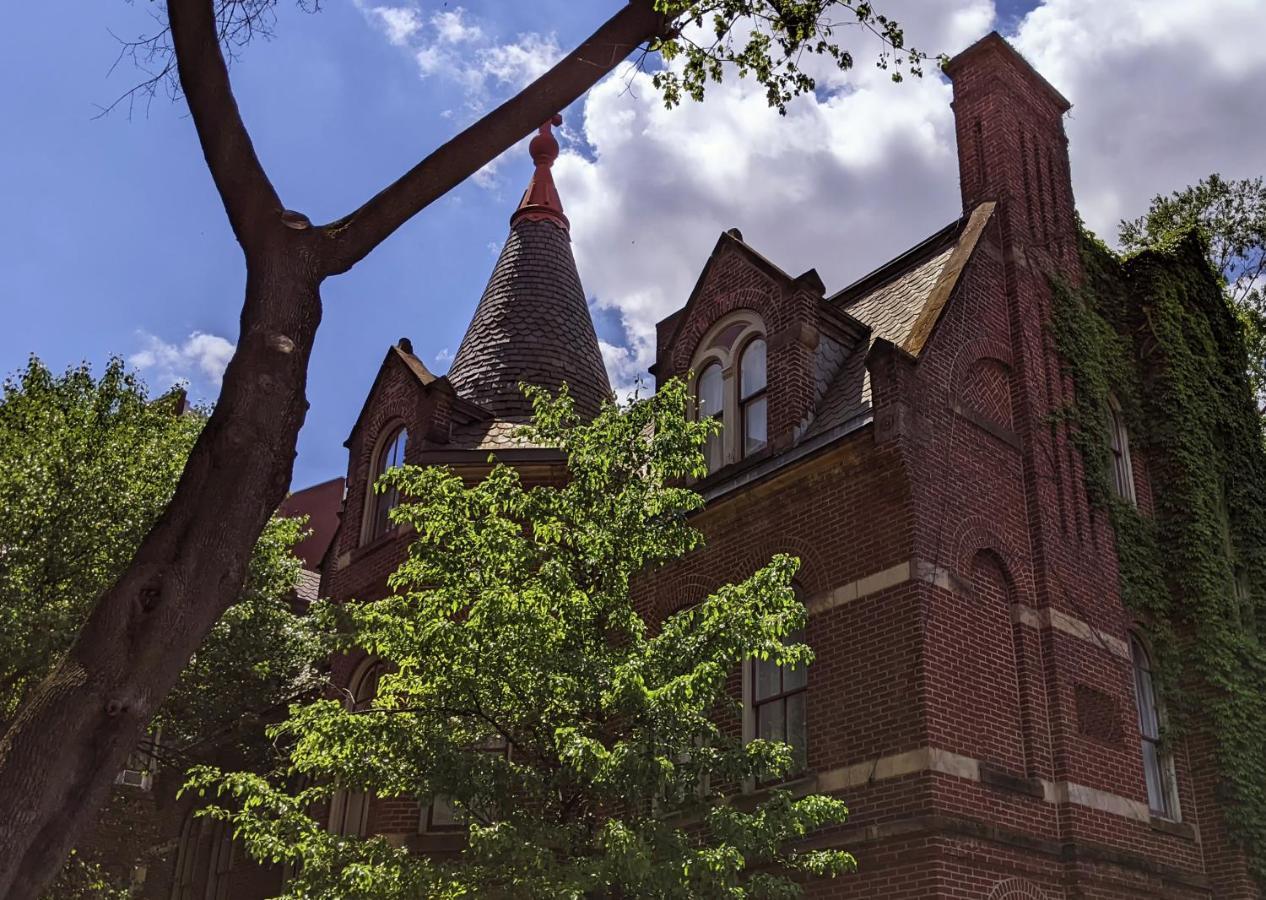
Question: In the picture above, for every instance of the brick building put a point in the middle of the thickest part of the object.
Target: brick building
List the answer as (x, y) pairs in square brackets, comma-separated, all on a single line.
[(980, 698)]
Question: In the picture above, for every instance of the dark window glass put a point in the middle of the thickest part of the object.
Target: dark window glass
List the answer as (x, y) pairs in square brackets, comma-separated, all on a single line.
[(391, 456)]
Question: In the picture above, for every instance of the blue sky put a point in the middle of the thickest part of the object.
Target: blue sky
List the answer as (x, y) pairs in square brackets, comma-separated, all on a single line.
[(115, 243)]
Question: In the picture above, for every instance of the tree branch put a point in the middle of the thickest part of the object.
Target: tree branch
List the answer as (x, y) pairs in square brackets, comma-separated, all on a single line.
[(355, 235), (249, 198)]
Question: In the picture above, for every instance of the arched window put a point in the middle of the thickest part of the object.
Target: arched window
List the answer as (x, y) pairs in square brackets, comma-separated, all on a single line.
[(349, 809), (1158, 766), (730, 387), (711, 395), (1122, 474), (777, 696), (390, 455), (752, 403)]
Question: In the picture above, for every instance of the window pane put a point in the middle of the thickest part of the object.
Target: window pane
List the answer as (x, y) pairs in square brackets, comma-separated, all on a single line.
[(797, 731), (752, 369), (713, 451), (770, 720), (754, 430), (1155, 784), (395, 453), (711, 392), (793, 679), (391, 456), (442, 814), (1144, 693), (768, 679)]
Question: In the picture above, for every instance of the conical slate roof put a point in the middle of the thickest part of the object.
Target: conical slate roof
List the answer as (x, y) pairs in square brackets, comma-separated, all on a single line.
[(532, 324)]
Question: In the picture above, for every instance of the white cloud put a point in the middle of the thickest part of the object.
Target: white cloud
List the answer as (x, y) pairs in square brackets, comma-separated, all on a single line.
[(445, 355), (849, 178), (1162, 94), (451, 27), (399, 23), (449, 45), (201, 357), (854, 175)]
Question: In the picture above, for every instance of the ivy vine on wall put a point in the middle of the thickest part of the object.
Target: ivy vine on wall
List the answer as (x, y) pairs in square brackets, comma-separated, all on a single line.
[(1154, 331)]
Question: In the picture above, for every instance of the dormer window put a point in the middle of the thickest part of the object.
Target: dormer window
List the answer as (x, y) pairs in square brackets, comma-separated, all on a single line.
[(390, 455), (731, 386)]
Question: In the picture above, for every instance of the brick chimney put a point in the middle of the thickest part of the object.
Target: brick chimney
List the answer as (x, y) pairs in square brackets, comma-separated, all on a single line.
[(1011, 144)]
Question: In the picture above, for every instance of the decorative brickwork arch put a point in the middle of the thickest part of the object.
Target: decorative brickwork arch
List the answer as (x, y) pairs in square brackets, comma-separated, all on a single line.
[(980, 380), (1016, 889), (811, 578), (971, 353), (759, 302), (975, 534)]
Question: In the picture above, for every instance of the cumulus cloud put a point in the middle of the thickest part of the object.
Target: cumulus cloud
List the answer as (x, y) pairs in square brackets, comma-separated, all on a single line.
[(1160, 91), (865, 168), (201, 358), (450, 45), (848, 178), (398, 23)]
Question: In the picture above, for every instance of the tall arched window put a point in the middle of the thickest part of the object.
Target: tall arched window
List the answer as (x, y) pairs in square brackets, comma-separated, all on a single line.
[(752, 404), (711, 393), (1158, 766), (777, 706), (1122, 474), (390, 455), (349, 809)]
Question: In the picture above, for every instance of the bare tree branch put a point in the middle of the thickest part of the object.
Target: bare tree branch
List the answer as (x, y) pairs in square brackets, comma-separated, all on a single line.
[(249, 198), (355, 235)]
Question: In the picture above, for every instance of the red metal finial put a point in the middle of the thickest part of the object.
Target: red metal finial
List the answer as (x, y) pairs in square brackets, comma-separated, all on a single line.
[(540, 201)]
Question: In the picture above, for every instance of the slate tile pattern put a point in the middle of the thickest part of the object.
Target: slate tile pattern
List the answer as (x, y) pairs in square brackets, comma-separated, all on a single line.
[(532, 325), (890, 310)]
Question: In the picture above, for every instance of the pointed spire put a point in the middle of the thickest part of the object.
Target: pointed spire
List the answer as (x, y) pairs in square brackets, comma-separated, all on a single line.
[(532, 324), (540, 201)]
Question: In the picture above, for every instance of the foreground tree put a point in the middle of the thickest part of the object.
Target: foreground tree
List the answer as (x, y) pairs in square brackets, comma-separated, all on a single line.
[(86, 467), (1230, 217), (60, 751), (593, 752)]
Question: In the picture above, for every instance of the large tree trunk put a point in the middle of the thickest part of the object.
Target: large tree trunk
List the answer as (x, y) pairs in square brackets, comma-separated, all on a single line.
[(72, 736), (60, 754)]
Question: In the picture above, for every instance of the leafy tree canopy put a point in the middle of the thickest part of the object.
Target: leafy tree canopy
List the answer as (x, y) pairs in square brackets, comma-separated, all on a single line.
[(86, 466), (512, 625), (1230, 217)]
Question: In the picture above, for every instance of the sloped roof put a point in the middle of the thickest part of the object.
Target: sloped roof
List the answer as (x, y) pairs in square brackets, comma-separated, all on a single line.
[(900, 302), (321, 504), (532, 325)]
